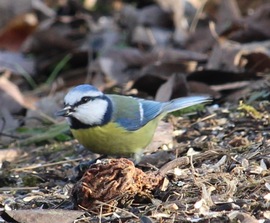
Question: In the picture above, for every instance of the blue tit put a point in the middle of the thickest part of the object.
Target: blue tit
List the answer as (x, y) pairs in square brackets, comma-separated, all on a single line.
[(111, 124)]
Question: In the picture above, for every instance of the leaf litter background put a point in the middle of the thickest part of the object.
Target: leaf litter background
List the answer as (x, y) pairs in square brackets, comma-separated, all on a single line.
[(216, 160)]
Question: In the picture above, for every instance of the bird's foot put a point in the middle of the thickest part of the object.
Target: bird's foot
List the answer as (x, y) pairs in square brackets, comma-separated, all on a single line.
[(83, 166)]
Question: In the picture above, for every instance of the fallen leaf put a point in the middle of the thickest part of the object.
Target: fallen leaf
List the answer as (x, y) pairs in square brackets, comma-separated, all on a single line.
[(177, 9), (117, 65), (175, 87), (17, 63), (202, 88), (227, 14), (9, 154), (253, 27), (42, 216), (7, 124), (242, 217), (150, 36), (132, 17), (45, 109), (12, 8), (17, 30), (14, 92), (236, 57), (47, 41)]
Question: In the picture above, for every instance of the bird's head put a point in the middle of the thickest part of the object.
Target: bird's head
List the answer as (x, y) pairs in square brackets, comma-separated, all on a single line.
[(85, 105)]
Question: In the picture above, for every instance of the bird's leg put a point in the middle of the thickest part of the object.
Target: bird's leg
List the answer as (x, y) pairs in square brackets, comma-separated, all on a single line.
[(83, 166), (137, 157)]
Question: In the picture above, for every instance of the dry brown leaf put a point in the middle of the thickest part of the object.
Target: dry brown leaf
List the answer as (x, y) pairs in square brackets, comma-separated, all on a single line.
[(14, 92), (7, 121), (89, 4), (177, 8), (246, 5), (9, 154), (169, 55), (176, 86), (17, 63), (131, 17), (119, 66), (200, 88), (42, 216), (47, 41), (150, 36), (17, 30), (114, 65), (235, 57), (254, 27), (44, 109), (243, 217), (12, 8), (239, 141), (228, 13)]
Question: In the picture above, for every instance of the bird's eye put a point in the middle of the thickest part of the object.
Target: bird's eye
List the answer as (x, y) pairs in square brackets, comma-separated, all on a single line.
[(86, 99)]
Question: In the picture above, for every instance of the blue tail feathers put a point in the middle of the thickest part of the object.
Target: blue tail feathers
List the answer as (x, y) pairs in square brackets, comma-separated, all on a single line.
[(184, 102)]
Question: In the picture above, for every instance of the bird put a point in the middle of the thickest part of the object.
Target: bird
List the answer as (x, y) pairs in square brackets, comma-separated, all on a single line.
[(117, 125)]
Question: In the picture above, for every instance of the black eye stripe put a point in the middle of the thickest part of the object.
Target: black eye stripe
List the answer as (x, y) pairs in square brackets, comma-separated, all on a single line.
[(85, 99)]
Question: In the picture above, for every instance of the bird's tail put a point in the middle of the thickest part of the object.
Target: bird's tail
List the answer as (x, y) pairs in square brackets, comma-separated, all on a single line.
[(180, 103)]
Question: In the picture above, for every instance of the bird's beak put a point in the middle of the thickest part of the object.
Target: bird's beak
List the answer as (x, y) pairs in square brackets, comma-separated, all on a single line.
[(67, 111)]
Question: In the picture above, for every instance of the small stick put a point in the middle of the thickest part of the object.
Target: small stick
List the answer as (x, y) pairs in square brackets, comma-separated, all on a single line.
[(44, 165), (182, 161)]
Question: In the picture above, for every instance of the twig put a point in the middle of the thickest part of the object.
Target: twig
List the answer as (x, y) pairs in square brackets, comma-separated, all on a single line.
[(213, 32), (10, 135), (44, 165), (182, 161), (204, 119), (130, 213), (17, 188), (197, 16), (192, 168)]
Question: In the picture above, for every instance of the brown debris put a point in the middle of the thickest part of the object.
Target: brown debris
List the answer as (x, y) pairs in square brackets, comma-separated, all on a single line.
[(239, 141), (254, 27), (116, 182)]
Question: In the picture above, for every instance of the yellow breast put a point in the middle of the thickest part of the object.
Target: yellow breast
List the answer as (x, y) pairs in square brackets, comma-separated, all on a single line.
[(111, 139)]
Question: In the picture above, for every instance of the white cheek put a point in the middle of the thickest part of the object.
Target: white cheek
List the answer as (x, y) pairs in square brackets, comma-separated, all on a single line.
[(91, 113)]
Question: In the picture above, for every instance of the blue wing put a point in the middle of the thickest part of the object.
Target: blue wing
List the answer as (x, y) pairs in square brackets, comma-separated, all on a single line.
[(151, 109), (133, 113)]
